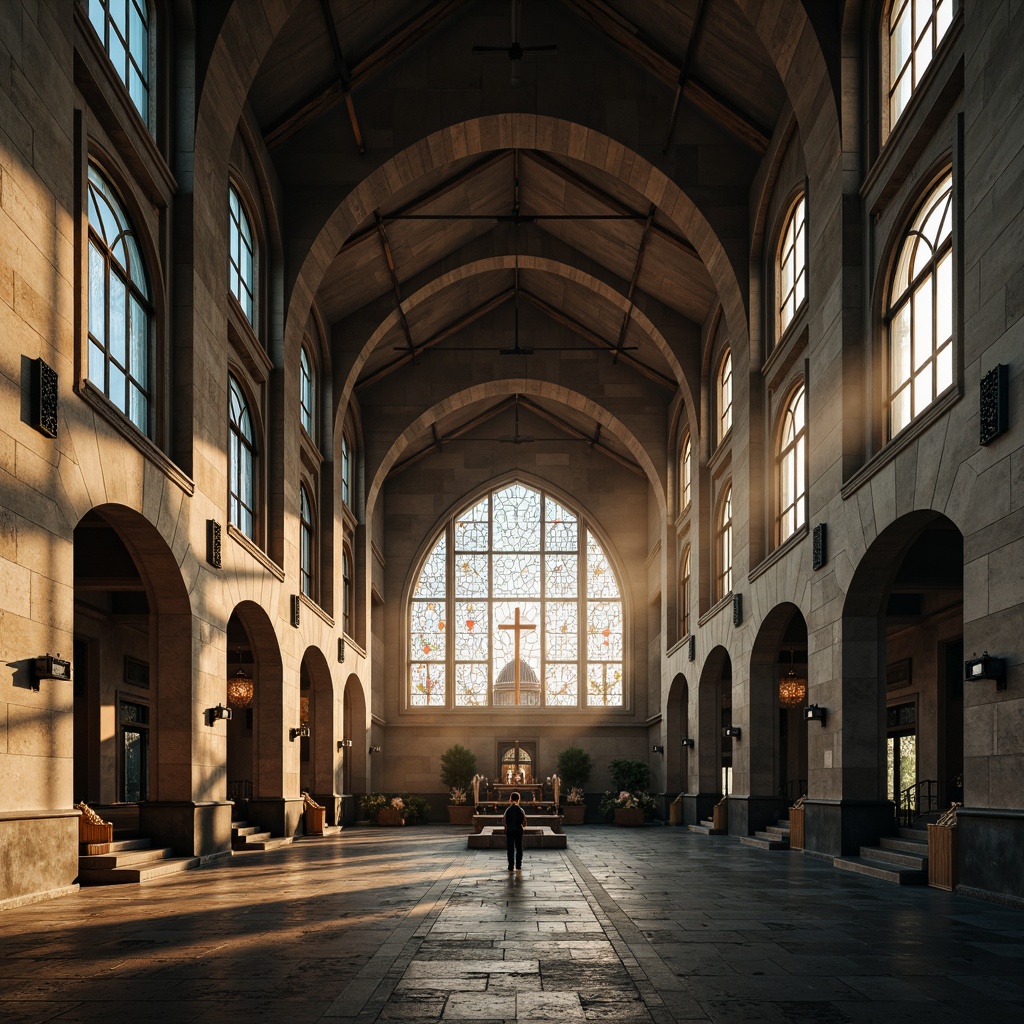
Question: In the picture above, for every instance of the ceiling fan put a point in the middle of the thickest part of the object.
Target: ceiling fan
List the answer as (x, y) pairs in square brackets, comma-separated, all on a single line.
[(516, 50)]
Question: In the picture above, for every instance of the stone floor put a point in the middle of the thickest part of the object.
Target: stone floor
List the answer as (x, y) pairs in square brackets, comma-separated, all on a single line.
[(653, 924)]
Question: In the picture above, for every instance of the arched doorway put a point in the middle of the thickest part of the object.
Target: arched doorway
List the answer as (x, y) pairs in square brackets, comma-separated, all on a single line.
[(317, 750), (133, 669), (677, 737), (354, 748), (900, 691), (712, 749), (777, 731)]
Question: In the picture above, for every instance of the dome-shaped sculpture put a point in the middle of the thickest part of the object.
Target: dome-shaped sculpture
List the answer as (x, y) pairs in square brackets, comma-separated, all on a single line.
[(505, 686)]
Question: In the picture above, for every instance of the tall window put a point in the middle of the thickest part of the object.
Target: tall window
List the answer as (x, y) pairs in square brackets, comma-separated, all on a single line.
[(307, 392), (723, 545), (916, 27), (306, 542), (685, 471), (120, 314), (792, 267), (242, 453), (792, 463), (684, 592), (346, 471), (346, 592), (241, 255), (724, 392), (920, 311), (517, 555), (123, 27)]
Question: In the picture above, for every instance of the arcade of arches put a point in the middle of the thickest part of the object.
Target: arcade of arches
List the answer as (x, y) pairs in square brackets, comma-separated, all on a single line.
[(368, 393)]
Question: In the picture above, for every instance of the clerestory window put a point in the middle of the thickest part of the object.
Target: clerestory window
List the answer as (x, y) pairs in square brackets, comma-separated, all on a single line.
[(518, 563), (242, 453), (791, 267), (723, 546), (123, 28), (241, 256), (791, 461), (915, 29), (723, 391)]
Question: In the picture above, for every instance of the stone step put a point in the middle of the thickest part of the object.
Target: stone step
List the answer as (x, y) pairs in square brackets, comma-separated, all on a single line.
[(905, 845), (92, 849), (881, 870), (916, 861), (263, 844), (250, 840), (125, 858), (781, 830), (139, 873), (920, 834), (763, 841), (707, 828), (245, 830)]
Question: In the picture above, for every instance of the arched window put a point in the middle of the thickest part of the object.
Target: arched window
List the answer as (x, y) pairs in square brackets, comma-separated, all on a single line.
[(920, 310), (123, 28), (519, 557), (120, 314), (242, 452), (307, 542), (684, 592), (307, 392), (916, 27), (685, 471), (723, 545), (346, 471), (791, 269), (241, 256), (346, 592), (724, 394), (792, 466)]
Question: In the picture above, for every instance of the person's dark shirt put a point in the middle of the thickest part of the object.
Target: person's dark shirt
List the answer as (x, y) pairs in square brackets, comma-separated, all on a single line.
[(515, 817)]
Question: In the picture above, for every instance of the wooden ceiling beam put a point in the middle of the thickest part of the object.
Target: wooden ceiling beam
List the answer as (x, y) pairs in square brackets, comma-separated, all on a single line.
[(595, 339), (684, 72), (371, 65), (638, 264), (344, 75), (665, 69)]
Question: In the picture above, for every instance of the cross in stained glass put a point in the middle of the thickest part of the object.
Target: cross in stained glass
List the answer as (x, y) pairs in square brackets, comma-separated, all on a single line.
[(518, 627)]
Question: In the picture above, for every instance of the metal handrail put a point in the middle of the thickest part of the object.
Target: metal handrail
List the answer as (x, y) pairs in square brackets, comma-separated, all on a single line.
[(926, 797), (793, 789)]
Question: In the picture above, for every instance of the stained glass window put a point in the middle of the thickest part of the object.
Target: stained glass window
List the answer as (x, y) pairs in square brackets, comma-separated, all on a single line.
[(516, 555)]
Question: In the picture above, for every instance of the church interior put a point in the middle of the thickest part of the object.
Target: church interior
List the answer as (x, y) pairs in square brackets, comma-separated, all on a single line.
[(642, 376)]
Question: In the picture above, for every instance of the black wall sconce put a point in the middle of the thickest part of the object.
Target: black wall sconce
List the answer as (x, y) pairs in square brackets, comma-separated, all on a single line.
[(344, 744), (986, 667), (658, 748), (376, 750), (732, 731), (219, 712), (813, 713), (51, 666), (687, 741), (302, 732)]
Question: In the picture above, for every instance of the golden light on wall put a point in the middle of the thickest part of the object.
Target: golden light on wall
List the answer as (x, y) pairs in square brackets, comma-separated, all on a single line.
[(240, 687), (792, 687)]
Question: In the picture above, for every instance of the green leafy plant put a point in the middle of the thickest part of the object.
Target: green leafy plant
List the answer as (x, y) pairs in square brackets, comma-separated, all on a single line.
[(630, 773), (574, 768), (641, 799), (372, 804), (574, 796), (458, 766), (416, 810)]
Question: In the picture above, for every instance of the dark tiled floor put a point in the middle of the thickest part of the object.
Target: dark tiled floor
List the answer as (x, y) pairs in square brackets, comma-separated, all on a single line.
[(633, 925)]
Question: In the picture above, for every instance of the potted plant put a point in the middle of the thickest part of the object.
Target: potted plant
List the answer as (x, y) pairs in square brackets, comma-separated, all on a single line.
[(393, 813), (372, 804), (574, 768), (416, 810), (458, 766), (634, 803)]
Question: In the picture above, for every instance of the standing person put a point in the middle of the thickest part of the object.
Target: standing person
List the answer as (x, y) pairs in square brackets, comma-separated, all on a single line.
[(515, 824)]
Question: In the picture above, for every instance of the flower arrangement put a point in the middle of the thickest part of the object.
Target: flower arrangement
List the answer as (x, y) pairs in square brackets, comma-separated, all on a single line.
[(372, 804), (574, 796), (628, 798), (397, 803), (457, 796)]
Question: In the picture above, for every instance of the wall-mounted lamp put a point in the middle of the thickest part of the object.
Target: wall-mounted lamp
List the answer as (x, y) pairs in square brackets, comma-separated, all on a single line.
[(376, 750), (658, 748), (51, 666), (342, 744), (986, 668), (813, 713), (302, 732), (732, 731), (213, 714), (687, 741)]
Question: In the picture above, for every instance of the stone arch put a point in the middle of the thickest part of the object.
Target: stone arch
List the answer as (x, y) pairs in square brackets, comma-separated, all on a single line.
[(101, 536), (677, 729), (355, 731), (317, 772), (714, 699)]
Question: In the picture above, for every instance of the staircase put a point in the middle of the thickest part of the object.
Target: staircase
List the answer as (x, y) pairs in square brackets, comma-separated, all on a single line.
[(707, 828), (247, 836), (774, 837), (128, 860), (902, 859)]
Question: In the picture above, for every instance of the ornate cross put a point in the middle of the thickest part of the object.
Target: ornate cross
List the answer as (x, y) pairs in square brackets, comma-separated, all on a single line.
[(518, 627)]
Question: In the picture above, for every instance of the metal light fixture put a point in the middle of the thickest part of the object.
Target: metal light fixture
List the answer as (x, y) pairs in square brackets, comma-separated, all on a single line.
[(812, 713), (658, 748), (986, 667), (240, 686), (302, 732), (687, 741), (51, 666), (376, 750), (343, 744), (217, 713), (792, 688), (732, 732)]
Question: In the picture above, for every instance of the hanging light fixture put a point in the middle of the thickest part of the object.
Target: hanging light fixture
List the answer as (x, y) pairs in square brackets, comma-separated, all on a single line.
[(792, 688), (240, 686)]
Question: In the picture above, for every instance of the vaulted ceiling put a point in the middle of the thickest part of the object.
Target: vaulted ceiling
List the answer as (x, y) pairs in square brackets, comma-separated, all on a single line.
[(541, 252)]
